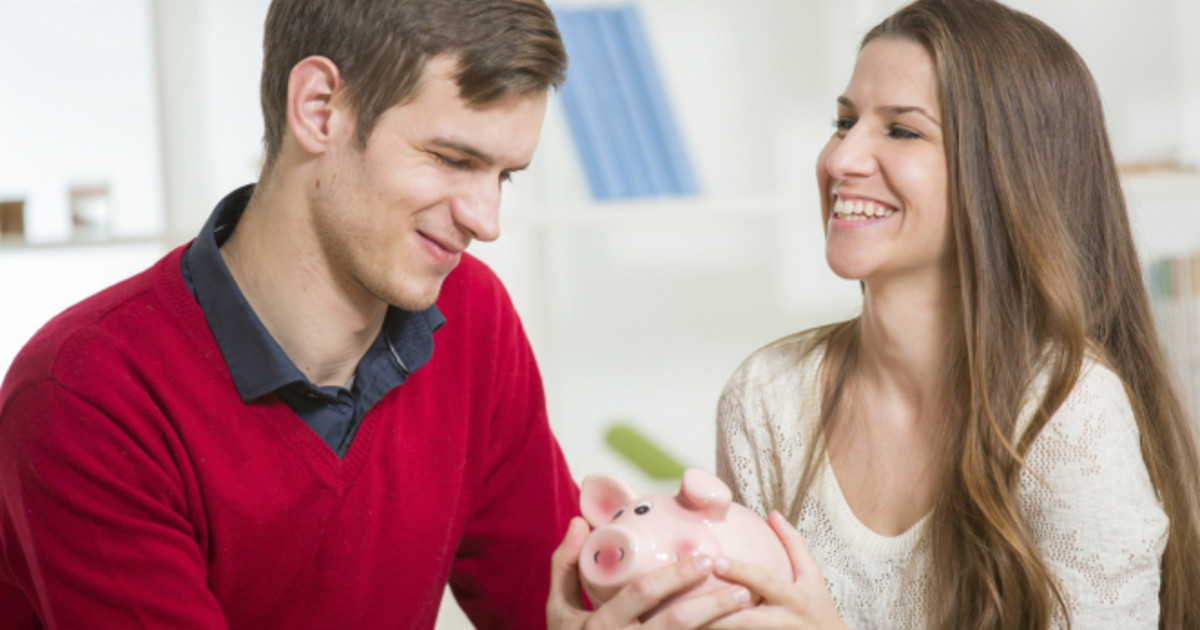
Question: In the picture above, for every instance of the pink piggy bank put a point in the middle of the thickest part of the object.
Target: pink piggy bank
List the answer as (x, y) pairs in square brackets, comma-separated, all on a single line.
[(635, 534)]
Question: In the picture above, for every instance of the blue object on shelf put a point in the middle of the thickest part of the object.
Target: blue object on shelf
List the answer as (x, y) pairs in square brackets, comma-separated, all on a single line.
[(666, 140), (617, 109)]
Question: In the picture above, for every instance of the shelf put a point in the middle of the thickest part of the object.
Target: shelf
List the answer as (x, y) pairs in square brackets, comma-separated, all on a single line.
[(10, 243)]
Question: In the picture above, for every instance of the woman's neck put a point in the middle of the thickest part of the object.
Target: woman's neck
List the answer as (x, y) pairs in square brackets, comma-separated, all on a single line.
[(905, 344), (887, 444)]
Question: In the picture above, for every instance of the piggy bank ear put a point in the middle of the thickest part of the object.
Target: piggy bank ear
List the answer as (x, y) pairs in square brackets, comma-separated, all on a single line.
[(703, 492), (602, 496)]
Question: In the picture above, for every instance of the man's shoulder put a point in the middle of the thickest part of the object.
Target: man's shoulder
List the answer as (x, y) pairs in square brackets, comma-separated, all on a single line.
[(89, 334), (472, 274), (472, 286)]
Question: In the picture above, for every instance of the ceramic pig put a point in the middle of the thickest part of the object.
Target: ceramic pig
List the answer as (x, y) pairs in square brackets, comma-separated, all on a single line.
[(635, 534)]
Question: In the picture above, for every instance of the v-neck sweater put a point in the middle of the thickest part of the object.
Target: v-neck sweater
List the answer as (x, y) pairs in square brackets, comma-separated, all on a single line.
[(138, 490)]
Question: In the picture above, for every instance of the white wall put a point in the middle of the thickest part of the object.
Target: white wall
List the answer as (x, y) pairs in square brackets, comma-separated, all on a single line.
[(209, 55), (78, 108)]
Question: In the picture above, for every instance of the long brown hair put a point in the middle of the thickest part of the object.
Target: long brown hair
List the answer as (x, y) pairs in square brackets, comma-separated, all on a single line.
[(1048, 276), (503, 47)]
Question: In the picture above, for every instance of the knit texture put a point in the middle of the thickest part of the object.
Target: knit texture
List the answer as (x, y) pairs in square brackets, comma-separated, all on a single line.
[(1086, 495), (138, 491)]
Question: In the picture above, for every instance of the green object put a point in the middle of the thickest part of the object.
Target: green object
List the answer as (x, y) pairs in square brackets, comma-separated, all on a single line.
[(644, 453)]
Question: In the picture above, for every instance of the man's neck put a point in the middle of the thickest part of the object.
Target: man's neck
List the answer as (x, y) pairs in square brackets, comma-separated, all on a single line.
[(322, 323)]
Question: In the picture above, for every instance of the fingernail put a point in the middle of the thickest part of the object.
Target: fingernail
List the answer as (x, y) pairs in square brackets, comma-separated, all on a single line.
[(741, 596), (722, 565), (704, 563)]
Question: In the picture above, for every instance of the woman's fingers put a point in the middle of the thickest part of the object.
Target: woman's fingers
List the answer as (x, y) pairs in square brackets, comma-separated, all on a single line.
[(807, 581), (804, 602), (770, 587), (793, 542), (701, 611), (649, 590), (759, 618)]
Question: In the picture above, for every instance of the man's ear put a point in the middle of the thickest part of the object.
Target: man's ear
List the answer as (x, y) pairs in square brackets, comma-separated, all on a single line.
[(314, 106)]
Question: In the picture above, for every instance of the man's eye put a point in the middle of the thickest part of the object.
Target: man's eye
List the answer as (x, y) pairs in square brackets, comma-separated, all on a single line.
[(452, 163)]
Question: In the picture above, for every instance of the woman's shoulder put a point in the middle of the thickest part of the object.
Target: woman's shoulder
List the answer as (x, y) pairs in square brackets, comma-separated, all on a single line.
[(774, 396), (1092, 435), (1097, 399), (1097, 391), (1089, 502), (783, 362)]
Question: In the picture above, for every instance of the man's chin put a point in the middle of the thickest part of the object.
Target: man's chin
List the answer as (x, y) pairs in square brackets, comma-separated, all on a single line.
[(415, 299)]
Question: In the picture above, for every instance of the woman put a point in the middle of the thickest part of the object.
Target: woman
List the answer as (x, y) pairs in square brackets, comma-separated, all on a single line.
[(994, 442)]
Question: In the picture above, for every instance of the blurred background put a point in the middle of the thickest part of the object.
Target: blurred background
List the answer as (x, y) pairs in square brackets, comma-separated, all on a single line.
[(124, 121)]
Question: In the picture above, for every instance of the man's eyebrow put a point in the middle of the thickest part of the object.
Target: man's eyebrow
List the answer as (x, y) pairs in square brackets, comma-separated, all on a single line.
[(466, 149), (895, 110)]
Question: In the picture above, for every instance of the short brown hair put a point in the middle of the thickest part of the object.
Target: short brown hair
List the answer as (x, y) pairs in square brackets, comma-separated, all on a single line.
[(381, 47)]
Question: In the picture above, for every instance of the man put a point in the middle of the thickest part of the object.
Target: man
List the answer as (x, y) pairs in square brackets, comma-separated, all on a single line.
[(258, 431)]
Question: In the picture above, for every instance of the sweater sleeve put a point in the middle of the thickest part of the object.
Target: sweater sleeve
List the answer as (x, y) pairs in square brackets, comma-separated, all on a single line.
[(501, 572), (739, 463), (93, 530), (1092, 509), (765, 419)]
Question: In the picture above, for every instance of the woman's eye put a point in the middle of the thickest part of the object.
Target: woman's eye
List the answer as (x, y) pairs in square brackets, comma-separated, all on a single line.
[(842, 125), (903, 133)]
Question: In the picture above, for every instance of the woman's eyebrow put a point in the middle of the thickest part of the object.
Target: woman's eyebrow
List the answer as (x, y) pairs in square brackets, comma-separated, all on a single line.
[(894, 110)]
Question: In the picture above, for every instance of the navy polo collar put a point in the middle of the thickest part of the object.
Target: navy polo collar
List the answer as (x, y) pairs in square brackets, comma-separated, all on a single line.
[(256, 362)]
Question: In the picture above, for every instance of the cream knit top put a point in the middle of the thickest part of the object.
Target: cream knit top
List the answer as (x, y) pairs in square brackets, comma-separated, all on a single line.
[(1094, 515)]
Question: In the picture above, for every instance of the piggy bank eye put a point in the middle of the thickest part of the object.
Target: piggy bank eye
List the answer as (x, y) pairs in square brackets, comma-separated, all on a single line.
[(618, 514), (642, 507)]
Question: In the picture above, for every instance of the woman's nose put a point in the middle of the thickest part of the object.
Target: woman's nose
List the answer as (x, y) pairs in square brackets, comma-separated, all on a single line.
[(851, 155)]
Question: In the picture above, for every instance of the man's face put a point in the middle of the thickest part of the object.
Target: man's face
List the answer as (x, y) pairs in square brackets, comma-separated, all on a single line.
[(393, 218)]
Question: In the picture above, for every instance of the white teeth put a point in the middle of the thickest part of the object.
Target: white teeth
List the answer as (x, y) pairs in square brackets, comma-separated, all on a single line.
[(859, 210)]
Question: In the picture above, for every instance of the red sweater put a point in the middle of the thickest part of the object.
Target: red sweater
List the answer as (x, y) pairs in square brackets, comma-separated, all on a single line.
[(137, 490)]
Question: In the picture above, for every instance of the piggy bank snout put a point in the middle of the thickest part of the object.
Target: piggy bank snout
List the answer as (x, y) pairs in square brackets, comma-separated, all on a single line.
[(607, 561), (608, 552)]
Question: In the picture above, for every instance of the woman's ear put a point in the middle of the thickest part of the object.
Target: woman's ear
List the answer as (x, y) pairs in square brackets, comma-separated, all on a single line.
[(314, 104)]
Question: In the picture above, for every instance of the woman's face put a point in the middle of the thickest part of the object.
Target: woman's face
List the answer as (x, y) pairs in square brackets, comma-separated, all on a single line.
[(883, 174)]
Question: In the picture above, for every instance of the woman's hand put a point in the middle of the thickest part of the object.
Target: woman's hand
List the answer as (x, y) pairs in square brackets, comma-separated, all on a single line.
[(804, 603), (565, 611)]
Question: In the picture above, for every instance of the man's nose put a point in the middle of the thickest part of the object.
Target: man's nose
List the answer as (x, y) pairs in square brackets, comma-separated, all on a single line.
[(477, 209)]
